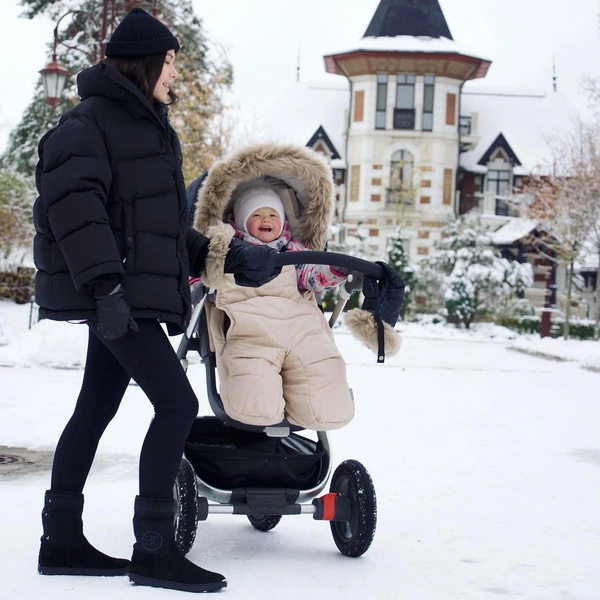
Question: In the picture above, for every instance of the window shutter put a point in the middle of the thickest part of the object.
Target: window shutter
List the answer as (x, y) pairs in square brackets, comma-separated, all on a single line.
[(450, 109), (354, 182), (447, 199), (359, 105)]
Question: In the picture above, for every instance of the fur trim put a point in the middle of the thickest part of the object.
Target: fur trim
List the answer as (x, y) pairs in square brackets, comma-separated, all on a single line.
[(220, 236), (363, 327), (299, 167)]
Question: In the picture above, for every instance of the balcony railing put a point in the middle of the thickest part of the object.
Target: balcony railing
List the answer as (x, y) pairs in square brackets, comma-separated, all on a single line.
[(464, 125), (404, 118), (399, 197), (504, 208)]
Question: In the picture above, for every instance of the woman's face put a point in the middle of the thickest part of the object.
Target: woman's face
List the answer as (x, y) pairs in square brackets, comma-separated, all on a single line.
[(168, 74), (264, 224)]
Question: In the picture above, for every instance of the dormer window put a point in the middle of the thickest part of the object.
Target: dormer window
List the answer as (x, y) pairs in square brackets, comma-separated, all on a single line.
[(498, 181)]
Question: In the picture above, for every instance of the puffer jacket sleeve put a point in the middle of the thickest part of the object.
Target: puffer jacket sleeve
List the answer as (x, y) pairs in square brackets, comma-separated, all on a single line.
[(316, 278), (74, 180), (197, 246)]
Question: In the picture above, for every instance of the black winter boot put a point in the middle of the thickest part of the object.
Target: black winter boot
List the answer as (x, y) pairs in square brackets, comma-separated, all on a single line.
[(64, 549), (156, 560)]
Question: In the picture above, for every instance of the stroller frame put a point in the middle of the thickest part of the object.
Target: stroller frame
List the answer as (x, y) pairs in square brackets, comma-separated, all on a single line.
[(350, 506)]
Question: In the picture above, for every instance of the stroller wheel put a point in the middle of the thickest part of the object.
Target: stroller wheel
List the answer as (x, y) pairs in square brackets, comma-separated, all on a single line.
[(185, 493), (353, 537), (264, 522)]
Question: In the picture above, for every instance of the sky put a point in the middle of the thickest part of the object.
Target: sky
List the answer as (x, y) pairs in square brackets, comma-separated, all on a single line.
[(264, 38), (485, 462)]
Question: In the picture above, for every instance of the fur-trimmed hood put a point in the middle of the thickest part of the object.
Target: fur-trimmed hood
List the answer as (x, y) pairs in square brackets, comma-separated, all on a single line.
[(300, 176)]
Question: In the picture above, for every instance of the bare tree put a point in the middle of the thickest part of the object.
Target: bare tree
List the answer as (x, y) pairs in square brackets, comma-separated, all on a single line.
[(564, 199)]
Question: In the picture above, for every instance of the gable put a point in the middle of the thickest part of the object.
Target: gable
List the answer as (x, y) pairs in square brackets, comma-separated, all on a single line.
[(321, 140), (492, 151)]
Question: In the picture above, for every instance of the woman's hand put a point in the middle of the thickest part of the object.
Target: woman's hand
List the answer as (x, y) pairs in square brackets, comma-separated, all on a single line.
[(114, 315), (251, 265)]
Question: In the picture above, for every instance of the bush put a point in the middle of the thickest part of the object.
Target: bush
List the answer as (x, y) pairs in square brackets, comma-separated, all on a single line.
[(17, 284), (578, 329)]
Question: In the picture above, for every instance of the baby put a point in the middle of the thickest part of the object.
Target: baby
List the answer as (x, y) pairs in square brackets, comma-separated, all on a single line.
[(276, 355)]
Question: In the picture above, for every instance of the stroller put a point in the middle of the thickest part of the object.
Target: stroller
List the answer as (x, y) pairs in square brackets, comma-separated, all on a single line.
[(266, 472)]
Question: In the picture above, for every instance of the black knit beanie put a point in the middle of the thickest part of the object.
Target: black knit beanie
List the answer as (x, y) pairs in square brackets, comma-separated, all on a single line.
[(140, 34)]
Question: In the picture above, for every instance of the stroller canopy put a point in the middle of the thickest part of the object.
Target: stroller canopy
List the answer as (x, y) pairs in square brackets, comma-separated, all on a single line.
[(300, 176)]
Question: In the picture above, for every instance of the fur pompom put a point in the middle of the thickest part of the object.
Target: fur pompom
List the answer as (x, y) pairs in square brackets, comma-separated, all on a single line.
[(214, 268), (363, 327)]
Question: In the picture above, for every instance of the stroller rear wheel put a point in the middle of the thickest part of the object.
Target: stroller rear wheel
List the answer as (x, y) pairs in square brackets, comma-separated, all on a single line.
[(185, 493), (264, 522), (352, 480)]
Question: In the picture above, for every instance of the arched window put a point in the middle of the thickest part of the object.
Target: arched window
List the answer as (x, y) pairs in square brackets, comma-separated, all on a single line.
[(401, 171)]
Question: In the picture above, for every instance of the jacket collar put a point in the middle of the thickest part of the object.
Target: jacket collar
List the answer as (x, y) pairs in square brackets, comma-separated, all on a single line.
[(105, 80)]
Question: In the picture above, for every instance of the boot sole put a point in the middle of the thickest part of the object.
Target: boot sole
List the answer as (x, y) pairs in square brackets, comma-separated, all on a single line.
[(82, 571), (176, 585)]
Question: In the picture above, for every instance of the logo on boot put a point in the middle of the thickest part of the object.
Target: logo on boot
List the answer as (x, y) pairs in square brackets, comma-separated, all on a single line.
[(152, 541)]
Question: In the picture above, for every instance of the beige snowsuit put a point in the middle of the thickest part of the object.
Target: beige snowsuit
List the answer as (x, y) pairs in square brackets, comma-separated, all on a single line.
[(277, 358)]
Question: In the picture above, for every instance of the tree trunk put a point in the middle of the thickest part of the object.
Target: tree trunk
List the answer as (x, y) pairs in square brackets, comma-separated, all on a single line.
[(568, 307)]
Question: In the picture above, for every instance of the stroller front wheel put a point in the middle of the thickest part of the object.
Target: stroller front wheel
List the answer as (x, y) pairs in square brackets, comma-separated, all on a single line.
[(352, 480)]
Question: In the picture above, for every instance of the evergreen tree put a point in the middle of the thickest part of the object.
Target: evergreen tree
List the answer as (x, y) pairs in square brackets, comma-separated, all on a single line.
[(398, 257), (203, 76), (476, 279), (16, 228)]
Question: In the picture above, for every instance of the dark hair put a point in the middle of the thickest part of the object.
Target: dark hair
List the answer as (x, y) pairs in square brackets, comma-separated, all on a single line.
[(143, 72)]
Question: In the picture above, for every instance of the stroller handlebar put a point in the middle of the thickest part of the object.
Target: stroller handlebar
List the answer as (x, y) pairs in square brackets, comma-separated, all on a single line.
[(334, 259)]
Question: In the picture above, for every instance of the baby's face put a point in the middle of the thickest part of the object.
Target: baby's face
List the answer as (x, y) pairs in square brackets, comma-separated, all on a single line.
[(264, 224)]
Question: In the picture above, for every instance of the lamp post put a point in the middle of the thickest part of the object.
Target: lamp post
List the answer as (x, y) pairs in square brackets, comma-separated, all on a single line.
[(54, 74)]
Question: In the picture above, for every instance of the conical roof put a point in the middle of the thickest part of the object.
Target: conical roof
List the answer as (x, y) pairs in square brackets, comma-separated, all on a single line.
[(408, 17)]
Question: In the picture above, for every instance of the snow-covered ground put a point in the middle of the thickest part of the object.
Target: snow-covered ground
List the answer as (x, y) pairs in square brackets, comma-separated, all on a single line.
[(486, 462)]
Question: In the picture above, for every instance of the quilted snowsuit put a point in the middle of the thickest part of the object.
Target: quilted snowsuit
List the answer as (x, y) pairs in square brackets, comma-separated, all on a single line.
[(276, 355), (278, 358)]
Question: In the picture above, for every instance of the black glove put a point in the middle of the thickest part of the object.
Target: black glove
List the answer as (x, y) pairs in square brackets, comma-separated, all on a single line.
[(251, 265), (113, 314), (384, 297)]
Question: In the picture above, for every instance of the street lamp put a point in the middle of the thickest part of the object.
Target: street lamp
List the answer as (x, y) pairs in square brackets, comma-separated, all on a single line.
[(54, 77), (54, 74)]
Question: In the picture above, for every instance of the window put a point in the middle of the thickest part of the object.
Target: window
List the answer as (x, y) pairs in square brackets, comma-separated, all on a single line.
[(498, 182), (401, 168), (404, 111), (382, 84), (428, 87)]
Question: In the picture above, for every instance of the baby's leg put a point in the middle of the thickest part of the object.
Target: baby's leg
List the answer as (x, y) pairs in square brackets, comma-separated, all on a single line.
[(316, 391), (250, 387)]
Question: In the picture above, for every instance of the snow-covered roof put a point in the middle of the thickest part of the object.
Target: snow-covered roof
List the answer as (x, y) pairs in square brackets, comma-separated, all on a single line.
[(512, 231), (304, 106), (527, 121), (409, 43)]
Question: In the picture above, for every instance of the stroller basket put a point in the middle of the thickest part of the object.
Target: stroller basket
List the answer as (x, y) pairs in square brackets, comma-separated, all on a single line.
[(229, 458)]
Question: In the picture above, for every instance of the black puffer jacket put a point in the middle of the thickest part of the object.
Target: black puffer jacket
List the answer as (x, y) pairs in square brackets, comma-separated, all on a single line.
[(112, 203)]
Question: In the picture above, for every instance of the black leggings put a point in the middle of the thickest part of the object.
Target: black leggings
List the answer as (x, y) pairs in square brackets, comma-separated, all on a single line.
[(147, 357)]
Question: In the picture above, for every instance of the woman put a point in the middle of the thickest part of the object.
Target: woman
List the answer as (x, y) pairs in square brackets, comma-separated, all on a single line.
[(113, 249)]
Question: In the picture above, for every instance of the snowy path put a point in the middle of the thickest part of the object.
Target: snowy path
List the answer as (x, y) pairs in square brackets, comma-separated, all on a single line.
[(486, 463)]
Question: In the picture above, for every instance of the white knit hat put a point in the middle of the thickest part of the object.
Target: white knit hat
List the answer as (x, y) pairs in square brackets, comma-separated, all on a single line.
[(254, 198)]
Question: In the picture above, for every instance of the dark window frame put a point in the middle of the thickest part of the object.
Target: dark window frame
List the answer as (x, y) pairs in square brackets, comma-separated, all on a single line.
[(428, 100)]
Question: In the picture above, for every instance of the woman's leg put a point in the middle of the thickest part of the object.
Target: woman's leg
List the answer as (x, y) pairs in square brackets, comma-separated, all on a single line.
[(64, 550), (104, 383), (148, 357)]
